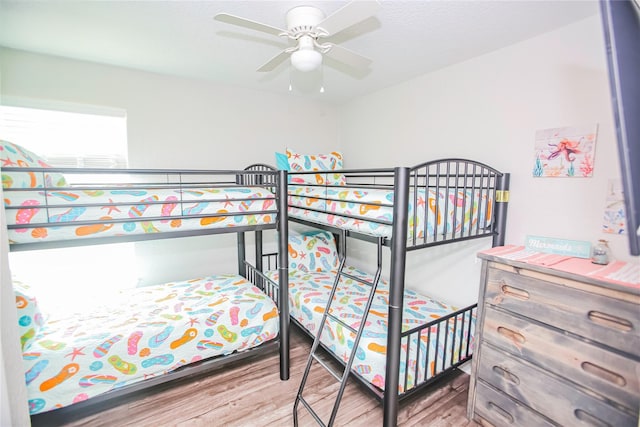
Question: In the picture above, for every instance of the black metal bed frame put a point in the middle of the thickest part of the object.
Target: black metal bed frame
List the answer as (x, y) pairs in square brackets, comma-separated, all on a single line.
[(255, 175), (459, 175)]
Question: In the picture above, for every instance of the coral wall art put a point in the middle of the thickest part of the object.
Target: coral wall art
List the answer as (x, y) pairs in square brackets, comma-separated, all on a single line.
[(565, 152)]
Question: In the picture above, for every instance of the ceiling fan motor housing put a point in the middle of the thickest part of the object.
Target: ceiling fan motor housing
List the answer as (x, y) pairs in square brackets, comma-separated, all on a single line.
[(302, 20)]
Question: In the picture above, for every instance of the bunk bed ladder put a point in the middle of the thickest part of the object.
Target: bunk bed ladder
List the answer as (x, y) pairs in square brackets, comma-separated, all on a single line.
[(343, 377)]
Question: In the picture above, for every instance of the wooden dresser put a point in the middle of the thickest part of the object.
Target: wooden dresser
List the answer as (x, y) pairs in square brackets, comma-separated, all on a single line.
[(555, 344)]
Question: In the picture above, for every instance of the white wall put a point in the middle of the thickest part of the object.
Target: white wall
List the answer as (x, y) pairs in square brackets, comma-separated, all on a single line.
[(176, 123), (489, 109)]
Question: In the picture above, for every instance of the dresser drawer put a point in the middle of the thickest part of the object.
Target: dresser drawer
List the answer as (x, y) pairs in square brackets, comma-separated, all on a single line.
[(559, 400), (607, 373), (610, 321), (499, 409)]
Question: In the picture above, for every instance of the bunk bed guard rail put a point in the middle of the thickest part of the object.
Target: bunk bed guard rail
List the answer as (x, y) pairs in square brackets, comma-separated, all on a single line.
[(116, 205)]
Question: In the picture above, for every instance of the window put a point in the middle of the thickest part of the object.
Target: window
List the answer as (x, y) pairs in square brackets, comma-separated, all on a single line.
[(68, 139), (67, 279)]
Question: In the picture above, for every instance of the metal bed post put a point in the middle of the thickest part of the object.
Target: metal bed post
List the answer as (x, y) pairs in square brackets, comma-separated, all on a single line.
[(502, 199), (396, 294), (241, 255), (257, 279), (283, 272), (258, 242)]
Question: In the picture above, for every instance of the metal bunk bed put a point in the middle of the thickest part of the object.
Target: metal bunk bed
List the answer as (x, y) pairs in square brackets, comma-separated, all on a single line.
[(467, 186), (40, 225)]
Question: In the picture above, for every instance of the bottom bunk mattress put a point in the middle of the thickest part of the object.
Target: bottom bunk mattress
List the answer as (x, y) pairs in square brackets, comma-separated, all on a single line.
[(151, 331), (436, 336)]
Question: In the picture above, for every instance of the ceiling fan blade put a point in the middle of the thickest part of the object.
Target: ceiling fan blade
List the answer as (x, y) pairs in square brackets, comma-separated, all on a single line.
[(347, 56), (271, 64), (352, 13), (247, 23)]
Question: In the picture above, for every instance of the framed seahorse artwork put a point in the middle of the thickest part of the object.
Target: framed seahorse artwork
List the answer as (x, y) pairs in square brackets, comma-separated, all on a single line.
[(565, 152)]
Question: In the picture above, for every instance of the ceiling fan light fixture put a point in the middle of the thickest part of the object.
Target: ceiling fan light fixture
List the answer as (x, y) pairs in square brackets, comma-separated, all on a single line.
[(306, 59), (307, 27)]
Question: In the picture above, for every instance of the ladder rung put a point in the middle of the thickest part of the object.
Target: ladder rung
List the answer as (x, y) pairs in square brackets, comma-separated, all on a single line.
[(311, 411), (357, 279), (340, 321), (328, 368)]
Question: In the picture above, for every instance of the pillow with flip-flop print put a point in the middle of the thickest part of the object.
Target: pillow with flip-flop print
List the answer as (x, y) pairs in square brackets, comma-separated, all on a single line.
[(13, 155), (30, 318), (325, 164), (312, 251)]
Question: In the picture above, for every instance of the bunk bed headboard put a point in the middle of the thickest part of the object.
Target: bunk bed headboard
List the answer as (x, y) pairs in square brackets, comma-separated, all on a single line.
[(474, 201)]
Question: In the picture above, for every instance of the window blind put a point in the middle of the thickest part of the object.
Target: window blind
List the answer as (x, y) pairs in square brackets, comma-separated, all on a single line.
[(67, 139)]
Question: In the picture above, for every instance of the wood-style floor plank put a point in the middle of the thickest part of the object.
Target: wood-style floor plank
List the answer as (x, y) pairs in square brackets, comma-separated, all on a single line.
[(250, 394)]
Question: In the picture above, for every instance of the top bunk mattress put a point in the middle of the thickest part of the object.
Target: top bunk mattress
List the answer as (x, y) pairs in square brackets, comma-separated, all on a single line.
[(38, 215), (46, 205), (432, 214)]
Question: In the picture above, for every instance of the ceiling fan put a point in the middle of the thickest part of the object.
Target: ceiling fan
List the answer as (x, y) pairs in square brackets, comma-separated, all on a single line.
[(307, 26)]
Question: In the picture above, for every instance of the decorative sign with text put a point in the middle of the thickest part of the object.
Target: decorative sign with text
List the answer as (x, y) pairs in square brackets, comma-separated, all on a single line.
[(550, 245)]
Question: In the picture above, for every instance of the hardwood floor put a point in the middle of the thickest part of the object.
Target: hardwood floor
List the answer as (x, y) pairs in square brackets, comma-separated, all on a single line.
[(251, 394)]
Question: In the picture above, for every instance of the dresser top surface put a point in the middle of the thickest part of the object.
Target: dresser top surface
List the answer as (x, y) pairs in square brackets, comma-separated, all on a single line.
[(616, 275)]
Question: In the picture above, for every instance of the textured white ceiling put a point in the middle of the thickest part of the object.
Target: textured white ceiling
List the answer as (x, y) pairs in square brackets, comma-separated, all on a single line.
[(405, 39)]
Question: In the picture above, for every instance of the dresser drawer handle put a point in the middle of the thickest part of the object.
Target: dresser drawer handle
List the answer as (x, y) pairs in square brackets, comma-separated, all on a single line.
[(511, 335), (508, 375), (504, 414), (586, 417), (516, 293), (609, 321), (603, 373)]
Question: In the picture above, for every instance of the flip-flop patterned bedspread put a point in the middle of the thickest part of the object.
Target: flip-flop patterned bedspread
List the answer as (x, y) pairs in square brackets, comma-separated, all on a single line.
[(165, 208), (308, 295), (153, 331), (358, 209)]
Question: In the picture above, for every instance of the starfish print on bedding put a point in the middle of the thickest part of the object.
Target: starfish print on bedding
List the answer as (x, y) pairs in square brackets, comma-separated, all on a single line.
[(228, 201), (8, 163), (193, 321), (76, 352), (111, 208)]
